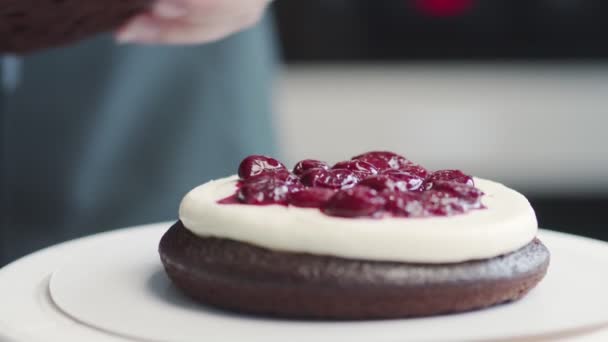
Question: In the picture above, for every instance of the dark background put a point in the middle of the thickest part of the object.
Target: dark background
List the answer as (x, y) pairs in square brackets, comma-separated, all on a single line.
[(356, 30)]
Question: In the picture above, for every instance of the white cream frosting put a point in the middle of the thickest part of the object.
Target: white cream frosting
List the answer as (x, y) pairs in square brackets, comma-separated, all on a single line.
[(507, 224)]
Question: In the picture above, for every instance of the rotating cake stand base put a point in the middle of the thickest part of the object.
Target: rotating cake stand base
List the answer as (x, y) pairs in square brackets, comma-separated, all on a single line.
[(111, 287)]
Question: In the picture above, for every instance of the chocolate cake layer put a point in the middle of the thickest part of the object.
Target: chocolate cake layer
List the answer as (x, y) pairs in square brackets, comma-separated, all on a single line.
[(246, 278), (29, 25)]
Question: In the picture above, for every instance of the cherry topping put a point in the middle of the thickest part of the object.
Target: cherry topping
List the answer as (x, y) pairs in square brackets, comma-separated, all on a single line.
[(383, 182), (310, 197), (312, 176), (468, 195), (441, 203), (369, 185), (415, 170), (383, 160), (359, 201), (263, 189), (285, 176), (307, 164), (408, 181), (332, 179), (448, 175), (406, 204), (255, 165), (361, 168)]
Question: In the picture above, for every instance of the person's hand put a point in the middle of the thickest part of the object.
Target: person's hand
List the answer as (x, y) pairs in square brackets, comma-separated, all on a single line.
[(191, 21)]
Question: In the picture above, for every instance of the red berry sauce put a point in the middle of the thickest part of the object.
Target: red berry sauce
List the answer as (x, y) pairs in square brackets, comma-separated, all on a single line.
[(374, 184)]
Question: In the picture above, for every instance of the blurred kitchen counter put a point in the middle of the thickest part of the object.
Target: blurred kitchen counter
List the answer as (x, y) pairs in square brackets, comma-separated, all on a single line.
[(541, 128)]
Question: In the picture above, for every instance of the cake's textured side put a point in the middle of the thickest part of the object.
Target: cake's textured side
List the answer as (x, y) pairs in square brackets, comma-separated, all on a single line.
[(246, 278), (29, 25)]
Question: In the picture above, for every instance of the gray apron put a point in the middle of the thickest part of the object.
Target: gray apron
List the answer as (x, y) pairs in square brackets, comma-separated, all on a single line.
[(98, 136)]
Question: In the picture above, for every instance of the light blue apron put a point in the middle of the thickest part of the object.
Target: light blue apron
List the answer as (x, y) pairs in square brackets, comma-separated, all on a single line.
[(98, 136)]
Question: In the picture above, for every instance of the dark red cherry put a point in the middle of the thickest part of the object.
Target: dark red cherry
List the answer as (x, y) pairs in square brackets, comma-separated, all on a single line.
[(415, 170), (441, 203), (404, 204), (310, 197), (307, 164), (281, 175), (386, 155), (263, 189), (255, 165), (359, 201), (394, 181), (313, 176), (361, 168), (383, 182), (285, 176), (467, 194), (332, 179), (407, 181), (448, 175), (379, 164), (383, 160)]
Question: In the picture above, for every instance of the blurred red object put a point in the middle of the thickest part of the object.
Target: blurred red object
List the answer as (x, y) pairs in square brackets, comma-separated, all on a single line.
[(444, 8)]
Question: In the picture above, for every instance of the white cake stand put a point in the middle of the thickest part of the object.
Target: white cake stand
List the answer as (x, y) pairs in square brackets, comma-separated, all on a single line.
[(110, 288)]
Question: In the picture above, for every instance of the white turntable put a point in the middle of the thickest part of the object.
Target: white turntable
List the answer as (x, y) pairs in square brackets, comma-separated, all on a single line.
[(111, 288)]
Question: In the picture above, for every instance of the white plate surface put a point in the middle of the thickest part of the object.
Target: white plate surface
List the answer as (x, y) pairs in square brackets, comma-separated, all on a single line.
[(117, 285)]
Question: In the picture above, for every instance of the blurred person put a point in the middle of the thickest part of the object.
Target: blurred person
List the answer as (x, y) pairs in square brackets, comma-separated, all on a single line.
[(99, 136)]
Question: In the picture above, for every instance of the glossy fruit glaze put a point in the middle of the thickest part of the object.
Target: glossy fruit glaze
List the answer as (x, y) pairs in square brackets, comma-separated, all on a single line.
[(375, 184)]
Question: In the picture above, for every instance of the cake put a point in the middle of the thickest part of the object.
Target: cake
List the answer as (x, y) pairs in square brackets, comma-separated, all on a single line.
[(29, 25), (373, 237)]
